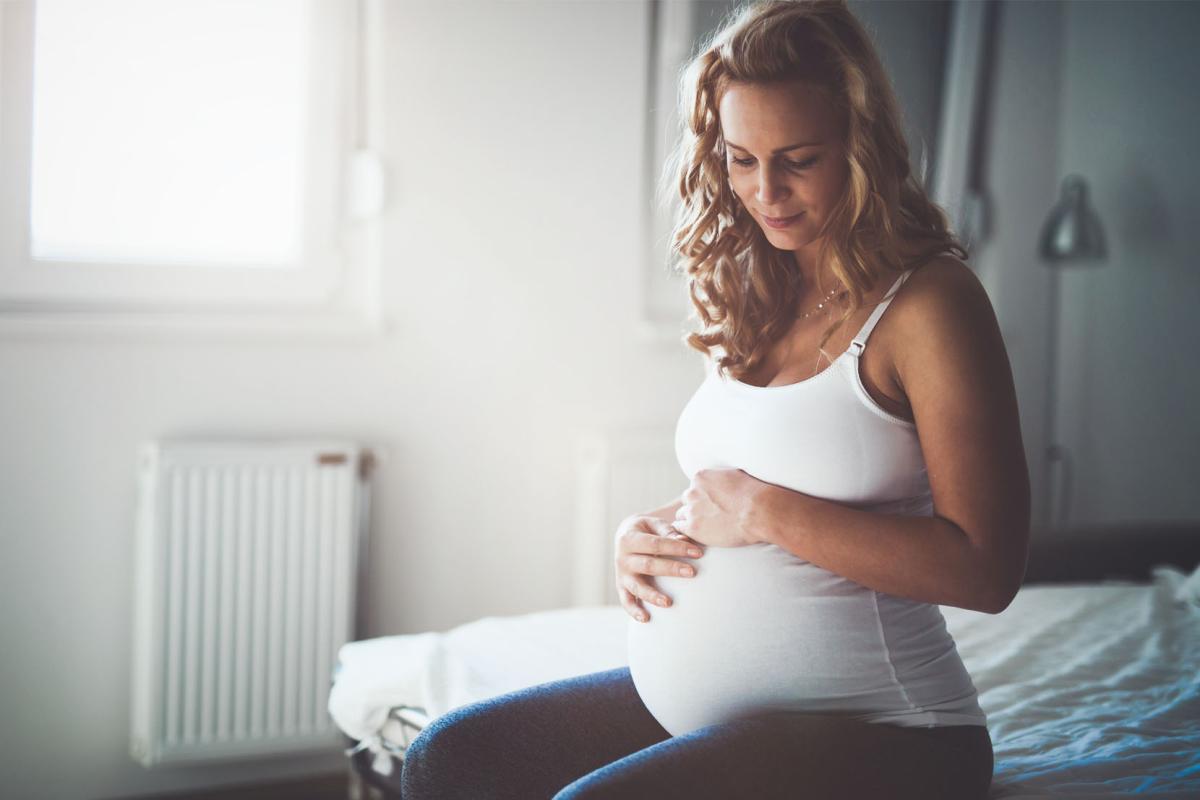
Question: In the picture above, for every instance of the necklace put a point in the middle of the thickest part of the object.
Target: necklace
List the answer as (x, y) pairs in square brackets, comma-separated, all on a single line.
[(835, 292)]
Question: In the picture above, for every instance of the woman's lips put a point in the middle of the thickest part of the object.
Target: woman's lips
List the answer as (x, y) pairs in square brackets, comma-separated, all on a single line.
[(781, 223)]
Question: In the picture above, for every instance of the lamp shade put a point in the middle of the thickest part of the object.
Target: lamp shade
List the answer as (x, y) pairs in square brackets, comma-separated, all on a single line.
[(1072, 231)]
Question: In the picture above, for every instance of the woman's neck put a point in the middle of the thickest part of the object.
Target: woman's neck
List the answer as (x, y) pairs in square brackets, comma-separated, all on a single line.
[(810, 270)]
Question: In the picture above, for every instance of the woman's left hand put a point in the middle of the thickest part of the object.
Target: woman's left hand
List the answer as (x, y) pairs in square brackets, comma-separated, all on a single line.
[(722, 508)]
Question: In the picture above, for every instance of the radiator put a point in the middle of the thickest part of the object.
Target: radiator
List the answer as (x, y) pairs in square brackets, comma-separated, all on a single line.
[(246, 565), (617, 473)]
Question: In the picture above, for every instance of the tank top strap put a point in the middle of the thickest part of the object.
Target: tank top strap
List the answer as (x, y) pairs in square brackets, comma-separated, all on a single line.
[(860, 341)]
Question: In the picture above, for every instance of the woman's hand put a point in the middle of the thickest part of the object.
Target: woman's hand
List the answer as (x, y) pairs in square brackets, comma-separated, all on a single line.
[(645, 546), (723, 508)]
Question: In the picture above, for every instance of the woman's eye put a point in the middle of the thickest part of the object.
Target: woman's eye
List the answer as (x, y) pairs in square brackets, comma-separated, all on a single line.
[(745, 162)]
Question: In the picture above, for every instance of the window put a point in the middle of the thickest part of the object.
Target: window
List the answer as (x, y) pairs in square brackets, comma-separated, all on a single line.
[(207, 159)]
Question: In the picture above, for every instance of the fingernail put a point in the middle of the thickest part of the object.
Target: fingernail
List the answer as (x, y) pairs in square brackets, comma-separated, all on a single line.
[(694, 552), (687, 571)]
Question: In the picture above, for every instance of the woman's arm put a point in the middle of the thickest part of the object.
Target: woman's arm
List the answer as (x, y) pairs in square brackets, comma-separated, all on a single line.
[(929, 559), (955, 372)]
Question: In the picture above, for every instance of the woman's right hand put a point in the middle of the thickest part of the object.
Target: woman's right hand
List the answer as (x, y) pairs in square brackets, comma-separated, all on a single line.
[(647, 546)]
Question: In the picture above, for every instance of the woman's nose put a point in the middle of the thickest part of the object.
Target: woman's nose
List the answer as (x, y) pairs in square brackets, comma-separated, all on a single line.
[(770, 187)]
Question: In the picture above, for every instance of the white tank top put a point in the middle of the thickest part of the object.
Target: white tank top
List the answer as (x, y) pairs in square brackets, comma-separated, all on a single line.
[(760, 629)]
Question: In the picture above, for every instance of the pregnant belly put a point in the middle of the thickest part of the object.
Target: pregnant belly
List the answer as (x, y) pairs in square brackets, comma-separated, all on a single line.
[(756, 630)]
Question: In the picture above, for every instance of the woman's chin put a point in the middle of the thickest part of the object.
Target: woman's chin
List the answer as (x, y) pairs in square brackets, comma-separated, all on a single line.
[(784, 240)]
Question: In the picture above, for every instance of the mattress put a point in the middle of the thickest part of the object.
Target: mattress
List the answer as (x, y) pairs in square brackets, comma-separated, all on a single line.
[(1091, 690)]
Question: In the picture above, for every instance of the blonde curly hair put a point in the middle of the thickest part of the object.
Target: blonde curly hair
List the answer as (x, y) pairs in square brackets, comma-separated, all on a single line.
[(744, 291)]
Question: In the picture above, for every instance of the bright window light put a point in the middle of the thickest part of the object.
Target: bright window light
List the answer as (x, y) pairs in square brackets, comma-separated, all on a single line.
[(169, 131)]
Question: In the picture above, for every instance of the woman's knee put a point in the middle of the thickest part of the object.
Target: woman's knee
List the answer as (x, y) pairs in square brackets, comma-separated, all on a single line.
[(602, 785), (475, 750), (426, 760), (449, 755)]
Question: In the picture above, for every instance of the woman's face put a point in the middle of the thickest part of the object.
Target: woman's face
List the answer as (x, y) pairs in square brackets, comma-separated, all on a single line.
[(785, 158)]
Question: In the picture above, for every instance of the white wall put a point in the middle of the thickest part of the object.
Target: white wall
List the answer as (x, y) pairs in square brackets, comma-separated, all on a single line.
[(1130, 378), (1102, 89), (514, 137)]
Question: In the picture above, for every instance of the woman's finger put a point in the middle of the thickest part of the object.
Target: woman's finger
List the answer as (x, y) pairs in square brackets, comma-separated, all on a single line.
[(641, 564), (667, 546), (631, 605), (645, 592)]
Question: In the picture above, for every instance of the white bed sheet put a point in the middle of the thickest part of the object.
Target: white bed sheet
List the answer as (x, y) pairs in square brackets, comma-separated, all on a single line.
[(1091, 690)]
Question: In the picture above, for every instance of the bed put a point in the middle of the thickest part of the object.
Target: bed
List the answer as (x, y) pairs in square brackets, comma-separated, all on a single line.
[(1089, 678)]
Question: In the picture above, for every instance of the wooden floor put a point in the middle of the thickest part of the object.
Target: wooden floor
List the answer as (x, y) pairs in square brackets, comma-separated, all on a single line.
[(322, 787)]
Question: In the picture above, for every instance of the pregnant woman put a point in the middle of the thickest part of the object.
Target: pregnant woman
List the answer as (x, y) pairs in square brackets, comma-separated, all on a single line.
[(855, 460)]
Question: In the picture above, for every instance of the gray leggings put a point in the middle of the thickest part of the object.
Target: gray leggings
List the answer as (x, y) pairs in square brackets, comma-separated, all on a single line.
[(592, 737)]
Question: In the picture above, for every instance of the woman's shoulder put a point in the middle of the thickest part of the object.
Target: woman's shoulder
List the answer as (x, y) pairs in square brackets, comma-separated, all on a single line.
[(942, 305), (940, 284)]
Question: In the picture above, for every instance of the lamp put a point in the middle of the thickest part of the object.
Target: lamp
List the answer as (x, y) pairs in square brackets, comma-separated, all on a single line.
[(1072, 231)]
